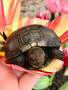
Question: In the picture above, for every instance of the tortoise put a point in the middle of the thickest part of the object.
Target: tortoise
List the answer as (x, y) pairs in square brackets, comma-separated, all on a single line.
[(33, 46)]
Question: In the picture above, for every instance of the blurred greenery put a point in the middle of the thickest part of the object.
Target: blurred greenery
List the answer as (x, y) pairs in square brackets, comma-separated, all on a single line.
[(44, 82), (65, 45), (64, 86)]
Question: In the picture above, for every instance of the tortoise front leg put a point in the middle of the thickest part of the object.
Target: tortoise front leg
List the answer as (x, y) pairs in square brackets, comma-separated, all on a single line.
[(19, 60), (56, 53)]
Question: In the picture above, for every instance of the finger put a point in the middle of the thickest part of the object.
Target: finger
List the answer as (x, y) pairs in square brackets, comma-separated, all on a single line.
[(28, 80), (8, 80), (18, 73)]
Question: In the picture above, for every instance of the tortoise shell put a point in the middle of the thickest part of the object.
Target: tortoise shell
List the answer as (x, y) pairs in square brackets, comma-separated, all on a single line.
[(30, 36)]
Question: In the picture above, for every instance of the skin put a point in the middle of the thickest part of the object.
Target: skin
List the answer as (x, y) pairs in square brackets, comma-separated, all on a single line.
[(16, 80)]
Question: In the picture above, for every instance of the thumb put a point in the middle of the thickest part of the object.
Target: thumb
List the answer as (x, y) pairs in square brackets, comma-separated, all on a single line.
[(28, 80)]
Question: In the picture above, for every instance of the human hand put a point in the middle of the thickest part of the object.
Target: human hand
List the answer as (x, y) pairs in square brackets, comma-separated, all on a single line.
[(16, 80)]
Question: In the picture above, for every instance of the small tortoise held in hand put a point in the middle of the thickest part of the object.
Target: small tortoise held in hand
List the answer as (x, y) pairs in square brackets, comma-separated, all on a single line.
[(33, 46)]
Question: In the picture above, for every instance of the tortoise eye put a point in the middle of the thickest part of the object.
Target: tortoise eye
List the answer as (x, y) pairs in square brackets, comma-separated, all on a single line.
[(30, 58)]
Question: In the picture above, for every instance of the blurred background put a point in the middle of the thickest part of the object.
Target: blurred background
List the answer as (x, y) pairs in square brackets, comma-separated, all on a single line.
[(29, 8)]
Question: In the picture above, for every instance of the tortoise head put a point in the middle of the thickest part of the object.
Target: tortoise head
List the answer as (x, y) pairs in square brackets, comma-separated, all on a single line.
[(36, 56)]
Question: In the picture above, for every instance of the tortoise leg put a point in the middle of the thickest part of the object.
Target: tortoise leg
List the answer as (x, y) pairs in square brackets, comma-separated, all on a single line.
[(19, 60), (56, 53)]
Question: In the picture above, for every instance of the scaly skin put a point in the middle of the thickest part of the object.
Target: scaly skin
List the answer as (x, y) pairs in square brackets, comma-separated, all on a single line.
[(56, 53)]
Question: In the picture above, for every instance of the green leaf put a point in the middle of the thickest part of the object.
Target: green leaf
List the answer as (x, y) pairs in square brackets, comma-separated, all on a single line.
[(65, 45), (64, 86), (42, 83), (51, 79)]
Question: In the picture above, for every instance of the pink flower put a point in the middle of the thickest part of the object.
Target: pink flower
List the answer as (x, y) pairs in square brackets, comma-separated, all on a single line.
[(60, 49), (43, 15), (64, 7), (57, 6), (9, 13), (65, 50), (53, 5)]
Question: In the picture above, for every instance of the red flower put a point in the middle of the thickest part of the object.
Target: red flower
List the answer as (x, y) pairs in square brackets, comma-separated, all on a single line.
[(65, 50), (65, 60)]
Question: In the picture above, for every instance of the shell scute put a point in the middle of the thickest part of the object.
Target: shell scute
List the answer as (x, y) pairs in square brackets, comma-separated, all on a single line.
[(30, 36)]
